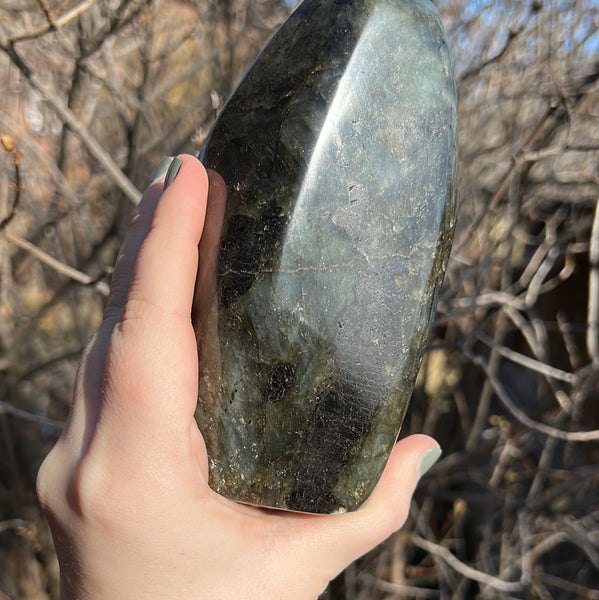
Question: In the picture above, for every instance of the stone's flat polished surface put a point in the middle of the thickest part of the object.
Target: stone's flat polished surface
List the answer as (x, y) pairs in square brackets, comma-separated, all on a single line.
[(318, 279)]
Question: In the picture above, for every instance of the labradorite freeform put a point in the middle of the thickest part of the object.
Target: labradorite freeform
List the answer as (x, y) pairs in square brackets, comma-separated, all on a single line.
[(319, 276)]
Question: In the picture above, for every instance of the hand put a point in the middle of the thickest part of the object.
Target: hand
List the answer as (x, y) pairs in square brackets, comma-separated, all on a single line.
[(125, 488)]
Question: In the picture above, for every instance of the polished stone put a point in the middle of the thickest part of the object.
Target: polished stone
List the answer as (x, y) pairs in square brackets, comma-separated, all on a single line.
[(318, 278)]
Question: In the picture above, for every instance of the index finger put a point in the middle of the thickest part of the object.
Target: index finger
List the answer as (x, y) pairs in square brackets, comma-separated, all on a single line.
[(151, 371), (156, 258)]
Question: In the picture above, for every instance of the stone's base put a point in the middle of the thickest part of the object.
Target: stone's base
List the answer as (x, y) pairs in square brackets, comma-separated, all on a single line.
[(319, 272)]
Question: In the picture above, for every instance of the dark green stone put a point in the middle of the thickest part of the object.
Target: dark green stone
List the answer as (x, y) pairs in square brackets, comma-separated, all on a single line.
[(338, 149)]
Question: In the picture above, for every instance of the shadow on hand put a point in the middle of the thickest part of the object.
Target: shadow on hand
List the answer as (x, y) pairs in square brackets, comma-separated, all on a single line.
[(205, 302)]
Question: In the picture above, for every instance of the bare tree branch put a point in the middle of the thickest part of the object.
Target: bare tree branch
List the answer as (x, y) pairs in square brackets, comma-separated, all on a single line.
[(7, 409), (48, 12), (8, 145), (55, 264), (527, 362), (571, 436), (54, 23), (466, 570), (92, 145), (593, 310)]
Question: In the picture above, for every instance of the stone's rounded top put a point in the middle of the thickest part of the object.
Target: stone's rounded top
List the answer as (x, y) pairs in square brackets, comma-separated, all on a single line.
[(396, 48), (338, 149)]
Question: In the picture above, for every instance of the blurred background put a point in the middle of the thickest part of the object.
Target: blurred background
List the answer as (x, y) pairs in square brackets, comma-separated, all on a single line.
[(94, 92)]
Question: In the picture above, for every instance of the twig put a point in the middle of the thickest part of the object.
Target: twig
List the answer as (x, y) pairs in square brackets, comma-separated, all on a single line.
[(545, 153), (509, 452), (579, 591), (56, 22), (488, 299), (541, 472), (569, 341), (161, 90), (76, 126), (57, 265), (525, 564), (546, 545), (475, 72), (579, 536), (40, 368), (534, 287), (527, 362), (525, 328), (484, 404), (570, 436), (20, 525), (550, 120), (593, 310), (464, 569), (28, 416), (41, 158), (400, 588), (8, 145), (49, 14), (94, 148)]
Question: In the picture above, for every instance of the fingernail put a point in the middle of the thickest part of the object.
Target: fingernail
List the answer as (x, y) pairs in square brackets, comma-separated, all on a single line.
[(429, 459), (172, 172), (161, 168)]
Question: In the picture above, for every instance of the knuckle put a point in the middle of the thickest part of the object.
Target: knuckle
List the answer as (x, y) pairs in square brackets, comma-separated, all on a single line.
[(44, 482), (89, 494), (138, 310)]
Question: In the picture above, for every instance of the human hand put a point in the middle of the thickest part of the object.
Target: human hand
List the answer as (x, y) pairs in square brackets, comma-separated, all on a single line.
[(125, 489)]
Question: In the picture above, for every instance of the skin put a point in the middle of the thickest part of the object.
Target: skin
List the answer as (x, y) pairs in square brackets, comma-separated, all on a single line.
[(125, 489)]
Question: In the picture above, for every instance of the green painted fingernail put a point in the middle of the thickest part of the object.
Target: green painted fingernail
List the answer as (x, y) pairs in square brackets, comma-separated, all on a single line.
[(172, 172), (429, 459), (161, 168)]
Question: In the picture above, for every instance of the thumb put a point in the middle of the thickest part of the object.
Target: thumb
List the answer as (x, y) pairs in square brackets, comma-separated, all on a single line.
[(346, 537)]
